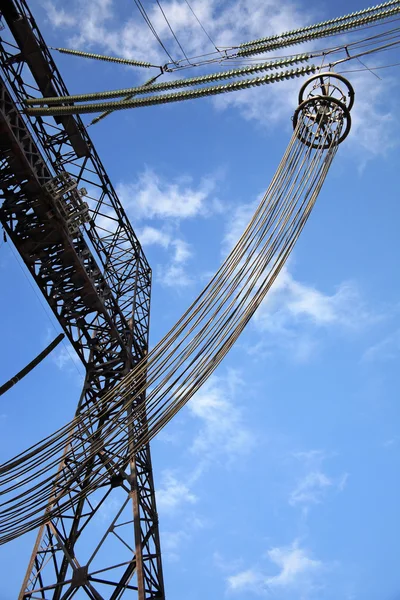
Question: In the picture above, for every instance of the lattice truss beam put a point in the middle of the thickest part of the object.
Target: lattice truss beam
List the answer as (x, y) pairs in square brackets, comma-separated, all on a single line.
[(66, 221)]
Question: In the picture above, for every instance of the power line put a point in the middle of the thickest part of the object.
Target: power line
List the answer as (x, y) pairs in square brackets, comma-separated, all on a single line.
[(150, 86), (201, 25), (145, 16), (370, 68), (172, 31), (243, 70), (31, 365), (367, 12), (182, 361), (372, 51), (301, 37), (213, 57), (174, 97), (44, 308)]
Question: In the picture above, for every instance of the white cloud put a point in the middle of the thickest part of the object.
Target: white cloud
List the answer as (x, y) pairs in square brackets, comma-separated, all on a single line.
[(150, 236), (58, 16), (293, 310), (310, 489), (109, 509), (387, 443), (295, 315), (386, 350), (174, 276), (153, 197), (222, 429), (294, 563), (343, 482), (67, 359), (166, 437), (266, 105), (172, 542), (248, 580), (374, 117), (297, 570), (174, 273), (291, 299), (173, 494), (182, 251), (226, 565), (314, 483), (94, 24), (237, 222), (374, 121)]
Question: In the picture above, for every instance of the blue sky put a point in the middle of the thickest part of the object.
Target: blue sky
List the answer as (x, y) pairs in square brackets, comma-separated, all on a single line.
[(280, 478)]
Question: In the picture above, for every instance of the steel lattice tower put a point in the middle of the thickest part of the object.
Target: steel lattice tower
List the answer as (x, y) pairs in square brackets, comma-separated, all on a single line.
[(92, 271), (60, 210)]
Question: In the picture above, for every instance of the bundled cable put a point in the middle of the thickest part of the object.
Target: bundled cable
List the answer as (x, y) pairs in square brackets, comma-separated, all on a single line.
[(97, 445), (30, 366)]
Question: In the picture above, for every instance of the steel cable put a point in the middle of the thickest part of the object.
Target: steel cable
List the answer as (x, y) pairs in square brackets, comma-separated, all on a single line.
[(176, 368)]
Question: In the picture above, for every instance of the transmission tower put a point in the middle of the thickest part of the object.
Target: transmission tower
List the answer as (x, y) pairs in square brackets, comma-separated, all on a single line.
[(68, 225), (99, 537)]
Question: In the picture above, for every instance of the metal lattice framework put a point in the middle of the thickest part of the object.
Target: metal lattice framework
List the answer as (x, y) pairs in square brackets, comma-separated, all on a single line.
[(66, 221), (93, 273)]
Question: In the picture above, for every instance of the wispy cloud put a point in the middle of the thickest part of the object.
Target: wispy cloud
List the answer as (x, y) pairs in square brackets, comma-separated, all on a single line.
[(374, 116), (150, 236), (294, 563), (292, 300), (297, 569), (310, 489), (58, 16), (152, 196), (386, 350), (296, 314), (173, 494), (109, 509), (291, 303), (342, 483), (390, 443), (94, 24), (280, 98), (223, 430), (67, 360), (249, 580), (236, 223), (314, 483), (172, 542), (174, 274)]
